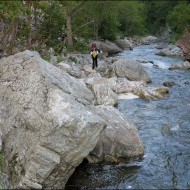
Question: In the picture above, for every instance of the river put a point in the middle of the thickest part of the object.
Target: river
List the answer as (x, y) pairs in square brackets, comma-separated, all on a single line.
[(164, 127)]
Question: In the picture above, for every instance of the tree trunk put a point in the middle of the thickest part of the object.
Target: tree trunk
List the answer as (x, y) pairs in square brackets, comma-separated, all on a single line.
[(69, 29), (1, 33), (12, 36)]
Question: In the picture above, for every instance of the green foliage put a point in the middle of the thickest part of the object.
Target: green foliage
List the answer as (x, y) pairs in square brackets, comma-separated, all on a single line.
[(46, 57), (78, 46), (52, 25), (60, 59), (179, 19), (103, 20), (109, 20), (12, 9), (73, 59), (23, 31), (92, 19), (132, 18), (156, 14)]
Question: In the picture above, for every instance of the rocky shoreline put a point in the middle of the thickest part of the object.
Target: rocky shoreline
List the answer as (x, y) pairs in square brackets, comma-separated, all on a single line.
[(53, 115)]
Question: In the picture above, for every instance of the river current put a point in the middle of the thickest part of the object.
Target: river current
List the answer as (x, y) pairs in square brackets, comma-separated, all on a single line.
[(164, 128)]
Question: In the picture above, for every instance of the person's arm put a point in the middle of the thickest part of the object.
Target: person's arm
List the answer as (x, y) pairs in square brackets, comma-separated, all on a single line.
[(99, 51)]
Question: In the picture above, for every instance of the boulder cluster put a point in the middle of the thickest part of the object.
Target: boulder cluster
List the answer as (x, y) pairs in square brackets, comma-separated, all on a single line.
[(50, 121), (55, 115)]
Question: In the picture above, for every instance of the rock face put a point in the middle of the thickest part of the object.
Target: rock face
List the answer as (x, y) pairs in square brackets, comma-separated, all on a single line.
[(124, 44), (184, 44), (47, 129), (48, 123)]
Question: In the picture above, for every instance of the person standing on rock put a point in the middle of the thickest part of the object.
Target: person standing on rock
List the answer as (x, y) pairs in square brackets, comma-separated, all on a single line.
[(94, 54)]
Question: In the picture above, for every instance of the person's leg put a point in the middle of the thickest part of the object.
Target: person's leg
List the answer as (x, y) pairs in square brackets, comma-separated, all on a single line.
[(96, 62), (93, 63)]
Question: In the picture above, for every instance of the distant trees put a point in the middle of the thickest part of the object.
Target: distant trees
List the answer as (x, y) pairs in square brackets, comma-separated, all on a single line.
[(9, 14), (59, 23), (16, 24), (156, 13), (179, 18), (172, 13), (132, 18)]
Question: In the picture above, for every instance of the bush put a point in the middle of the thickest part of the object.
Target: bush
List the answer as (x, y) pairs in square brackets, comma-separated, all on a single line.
[(79, 47), (179, 19)]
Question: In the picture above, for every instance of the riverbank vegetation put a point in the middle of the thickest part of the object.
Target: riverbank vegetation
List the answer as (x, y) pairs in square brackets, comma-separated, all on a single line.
[(38, 25)]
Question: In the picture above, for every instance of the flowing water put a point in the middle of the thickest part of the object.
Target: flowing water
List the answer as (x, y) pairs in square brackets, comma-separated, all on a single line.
[(164, 127)]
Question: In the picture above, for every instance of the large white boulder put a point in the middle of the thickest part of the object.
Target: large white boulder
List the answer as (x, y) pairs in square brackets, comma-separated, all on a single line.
[(49, 124), (46, 126)]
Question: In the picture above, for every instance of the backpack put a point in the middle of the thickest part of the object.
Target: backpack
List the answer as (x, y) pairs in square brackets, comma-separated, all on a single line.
[(94, 53)]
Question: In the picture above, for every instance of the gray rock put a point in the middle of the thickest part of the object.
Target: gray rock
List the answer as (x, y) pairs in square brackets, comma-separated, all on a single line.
[(108, 47), (130, 69), (138, 88), (124, 44), (49, 124), (180, 65), (46, 126), (148, 39), (103, 90), (119, 141), (170, 50)]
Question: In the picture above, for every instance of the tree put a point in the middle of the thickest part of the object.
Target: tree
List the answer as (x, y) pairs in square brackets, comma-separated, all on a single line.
[(100, 18), (132, 19), (72, 8), (179, 18), (9, 14), (156, 14), (52, 23)]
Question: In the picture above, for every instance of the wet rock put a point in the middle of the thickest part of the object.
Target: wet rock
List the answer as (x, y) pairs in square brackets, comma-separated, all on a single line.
[(151, 93), (119, 141), (180, 65), (169, 83), (155, 65), (187, 82), (162, 91), (139, 89), (170, 50)]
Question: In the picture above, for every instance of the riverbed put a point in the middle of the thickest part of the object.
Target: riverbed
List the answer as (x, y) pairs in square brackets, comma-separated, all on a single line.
[(164, 127)]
